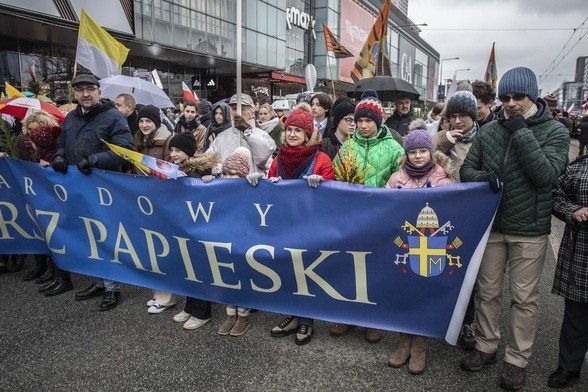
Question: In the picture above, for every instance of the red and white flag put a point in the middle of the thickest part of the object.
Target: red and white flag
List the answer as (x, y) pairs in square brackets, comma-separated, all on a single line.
[(187, 94)]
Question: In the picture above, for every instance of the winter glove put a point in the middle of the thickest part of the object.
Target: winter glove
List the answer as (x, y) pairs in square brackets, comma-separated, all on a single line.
[(253, 178), (493, 180), (208, 178), (240, 123), (84, 166), (59, 164), (313, 180), (514, 123)]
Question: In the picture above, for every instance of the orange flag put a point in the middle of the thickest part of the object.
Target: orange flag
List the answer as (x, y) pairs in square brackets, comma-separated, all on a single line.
[(491, 75), (334, 46)]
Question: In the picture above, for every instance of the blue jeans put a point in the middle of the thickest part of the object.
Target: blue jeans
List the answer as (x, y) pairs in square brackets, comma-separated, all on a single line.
[(108, 285)]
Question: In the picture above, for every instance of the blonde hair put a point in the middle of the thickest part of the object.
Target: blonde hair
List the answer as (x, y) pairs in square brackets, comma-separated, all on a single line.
[(269, 109), (40, 117)]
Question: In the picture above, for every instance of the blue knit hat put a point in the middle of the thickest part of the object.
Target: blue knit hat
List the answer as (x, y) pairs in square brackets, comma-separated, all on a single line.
[(370, 107), (463, 102), (519, 80)]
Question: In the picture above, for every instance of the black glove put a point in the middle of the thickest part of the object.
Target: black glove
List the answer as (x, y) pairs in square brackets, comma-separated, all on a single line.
[(84, 166), (493, 180), (240, 123), (514, 123), (59, 164)]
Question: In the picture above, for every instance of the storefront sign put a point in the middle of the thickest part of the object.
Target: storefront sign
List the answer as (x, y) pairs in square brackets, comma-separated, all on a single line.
[(300, 19)]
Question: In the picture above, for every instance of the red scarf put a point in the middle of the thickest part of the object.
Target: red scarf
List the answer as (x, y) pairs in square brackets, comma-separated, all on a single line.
[(294, 161)]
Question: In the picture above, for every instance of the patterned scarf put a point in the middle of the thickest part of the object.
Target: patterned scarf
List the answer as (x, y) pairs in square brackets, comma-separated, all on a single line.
[(469, 136), (294, 161)]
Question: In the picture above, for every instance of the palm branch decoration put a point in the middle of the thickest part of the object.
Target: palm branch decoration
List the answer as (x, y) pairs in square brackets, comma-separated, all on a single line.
[(348, 170)]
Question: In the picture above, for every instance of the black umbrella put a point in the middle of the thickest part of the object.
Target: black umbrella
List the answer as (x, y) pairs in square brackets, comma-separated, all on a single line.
[(387, 87)]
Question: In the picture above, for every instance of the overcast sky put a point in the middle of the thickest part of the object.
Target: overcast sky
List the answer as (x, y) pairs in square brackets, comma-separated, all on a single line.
[(527, 33)]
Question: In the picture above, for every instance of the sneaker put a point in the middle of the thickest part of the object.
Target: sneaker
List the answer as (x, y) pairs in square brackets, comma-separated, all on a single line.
[(303, 334), (182, 317), (466, 339), (339, 329), (157, 308), (227, 325), (285, 328), (512, 377), (151, 302), (240, 327), (194, 323), (476, 360)]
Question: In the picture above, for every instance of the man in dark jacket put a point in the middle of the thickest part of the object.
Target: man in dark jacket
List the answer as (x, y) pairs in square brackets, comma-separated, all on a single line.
[(583, 138), (188, 121), (125, 103), (527, 150), (403, 115), (80, 144), (484, 93)]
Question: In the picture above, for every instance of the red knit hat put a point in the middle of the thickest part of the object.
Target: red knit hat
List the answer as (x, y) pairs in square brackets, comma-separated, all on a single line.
[(302, 119), (45, 136)]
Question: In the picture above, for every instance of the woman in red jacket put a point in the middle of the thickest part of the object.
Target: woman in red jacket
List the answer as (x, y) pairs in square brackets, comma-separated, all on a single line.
[(299, 155)]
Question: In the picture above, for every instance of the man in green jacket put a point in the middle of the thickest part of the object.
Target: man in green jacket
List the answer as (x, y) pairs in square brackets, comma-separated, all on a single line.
[(526, 149)]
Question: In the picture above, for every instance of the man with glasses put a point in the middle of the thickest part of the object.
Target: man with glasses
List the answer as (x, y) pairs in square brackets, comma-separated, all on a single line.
[(80, 144), (462, 111), (526, 149)]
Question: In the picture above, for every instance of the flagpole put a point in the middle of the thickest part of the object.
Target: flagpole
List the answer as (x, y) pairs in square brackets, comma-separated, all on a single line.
[(330, 74), (238, 15)]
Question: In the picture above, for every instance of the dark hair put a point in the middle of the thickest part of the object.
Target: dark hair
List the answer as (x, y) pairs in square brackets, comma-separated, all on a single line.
[(438, 108), (325, 102), (483, 91), (191, 103)]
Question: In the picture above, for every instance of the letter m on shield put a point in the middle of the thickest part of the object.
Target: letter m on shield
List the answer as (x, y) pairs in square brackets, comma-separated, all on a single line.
[(427, 255)]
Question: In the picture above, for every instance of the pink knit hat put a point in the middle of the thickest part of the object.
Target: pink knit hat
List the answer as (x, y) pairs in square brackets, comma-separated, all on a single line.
[(237, 163)]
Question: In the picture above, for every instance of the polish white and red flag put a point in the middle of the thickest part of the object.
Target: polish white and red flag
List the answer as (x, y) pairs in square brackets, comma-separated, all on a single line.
[(187, 94)]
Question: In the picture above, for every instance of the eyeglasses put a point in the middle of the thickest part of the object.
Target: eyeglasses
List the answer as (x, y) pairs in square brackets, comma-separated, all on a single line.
[(507, 97), (461, 116), (293, 131), (349, 120), (81, 90)]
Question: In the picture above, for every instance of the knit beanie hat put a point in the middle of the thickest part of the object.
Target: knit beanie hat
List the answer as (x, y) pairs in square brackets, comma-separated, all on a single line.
[(237, 163), (341, 110), (45, 136), (519, 80), (370, 107), (304, 97), (152, 113), (418, 136), (184, 141), (462, 102), (551, 101), (302, 119)]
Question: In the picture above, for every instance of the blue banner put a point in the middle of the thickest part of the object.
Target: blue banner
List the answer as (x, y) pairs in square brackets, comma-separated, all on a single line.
[(396, 259)]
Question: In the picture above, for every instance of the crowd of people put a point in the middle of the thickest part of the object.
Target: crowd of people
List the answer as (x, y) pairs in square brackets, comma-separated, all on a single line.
[(518, 148)]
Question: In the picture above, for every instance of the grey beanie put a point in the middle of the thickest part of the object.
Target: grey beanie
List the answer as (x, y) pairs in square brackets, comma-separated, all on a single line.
[(519, 80), (462, 102)]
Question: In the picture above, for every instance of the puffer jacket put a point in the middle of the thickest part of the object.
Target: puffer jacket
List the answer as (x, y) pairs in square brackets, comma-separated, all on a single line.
[(159, 147), (380, 154), (528, 162), (439, 175), (83, 134)]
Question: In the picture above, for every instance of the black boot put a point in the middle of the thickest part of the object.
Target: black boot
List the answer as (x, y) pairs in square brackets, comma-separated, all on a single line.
[(14, 263), (63, 285), (40, 268), (49, 273), (47, 286)]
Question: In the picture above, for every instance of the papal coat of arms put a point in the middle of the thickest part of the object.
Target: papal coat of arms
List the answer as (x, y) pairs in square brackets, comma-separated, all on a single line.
[(427, 246)]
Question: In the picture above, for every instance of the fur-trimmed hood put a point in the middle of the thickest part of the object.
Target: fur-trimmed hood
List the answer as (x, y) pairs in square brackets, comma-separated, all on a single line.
[(438, 157), (201, 163)]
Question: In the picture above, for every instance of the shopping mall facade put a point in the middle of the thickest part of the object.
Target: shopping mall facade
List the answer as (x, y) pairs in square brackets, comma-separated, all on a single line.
[(194, 41)]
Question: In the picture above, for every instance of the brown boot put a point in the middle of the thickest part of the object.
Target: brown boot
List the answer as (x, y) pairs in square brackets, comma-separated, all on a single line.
[(241, 326), (373, 335), (418, 355), (402, 353), (227, 325), (339, 329)]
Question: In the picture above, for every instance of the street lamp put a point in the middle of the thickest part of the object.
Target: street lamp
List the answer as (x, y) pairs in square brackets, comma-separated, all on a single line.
[(440, 96), (461, 69)]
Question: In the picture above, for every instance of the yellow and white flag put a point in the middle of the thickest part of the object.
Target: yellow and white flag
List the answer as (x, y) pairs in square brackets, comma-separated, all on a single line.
[(97, 50), (12, 92)]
